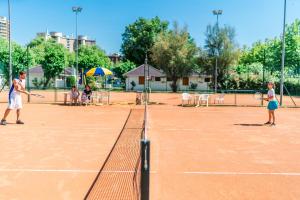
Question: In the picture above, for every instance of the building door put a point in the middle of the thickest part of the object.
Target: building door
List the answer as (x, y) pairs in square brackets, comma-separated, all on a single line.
[(185, 81), (141, 80)]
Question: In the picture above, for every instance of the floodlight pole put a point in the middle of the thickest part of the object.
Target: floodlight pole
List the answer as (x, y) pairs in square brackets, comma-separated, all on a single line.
[(217, 13), (9, 44), (283, 56), (76, 10)]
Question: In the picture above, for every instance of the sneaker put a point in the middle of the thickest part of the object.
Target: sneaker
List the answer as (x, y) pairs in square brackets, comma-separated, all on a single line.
[(267, 123), (20, 122), (3, 122)]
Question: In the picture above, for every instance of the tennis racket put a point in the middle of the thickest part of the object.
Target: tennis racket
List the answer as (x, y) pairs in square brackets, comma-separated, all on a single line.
[(37, 95), (258, 96)]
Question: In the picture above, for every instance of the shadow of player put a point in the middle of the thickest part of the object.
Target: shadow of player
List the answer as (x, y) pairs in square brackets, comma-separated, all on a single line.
[(249, 124)]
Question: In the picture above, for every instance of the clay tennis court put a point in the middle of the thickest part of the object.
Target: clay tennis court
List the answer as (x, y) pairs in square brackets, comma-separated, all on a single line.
[(196, 153)]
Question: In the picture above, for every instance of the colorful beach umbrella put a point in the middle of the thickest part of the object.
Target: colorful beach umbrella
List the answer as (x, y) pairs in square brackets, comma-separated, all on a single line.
[(98, 71)]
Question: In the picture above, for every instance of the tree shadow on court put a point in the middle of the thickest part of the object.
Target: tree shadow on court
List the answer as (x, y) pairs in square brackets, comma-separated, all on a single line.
[(249, 124)]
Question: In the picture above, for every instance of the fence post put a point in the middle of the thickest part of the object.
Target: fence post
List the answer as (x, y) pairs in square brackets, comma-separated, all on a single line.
[(55, 94), (145, 169), (262, 98), (235, 98), (28, 98)]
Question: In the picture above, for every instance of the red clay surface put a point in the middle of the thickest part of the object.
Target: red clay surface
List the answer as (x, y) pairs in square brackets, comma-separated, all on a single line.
[(58, 152), (196, 153), (224, 153)]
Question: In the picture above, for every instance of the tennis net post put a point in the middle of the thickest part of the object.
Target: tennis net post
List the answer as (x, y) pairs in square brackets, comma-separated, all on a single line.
[(145, 169)]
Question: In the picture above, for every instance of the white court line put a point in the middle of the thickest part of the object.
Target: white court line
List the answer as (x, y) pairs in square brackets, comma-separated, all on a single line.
[(245, 173), (66, 171), (51, 170), (175, 129)]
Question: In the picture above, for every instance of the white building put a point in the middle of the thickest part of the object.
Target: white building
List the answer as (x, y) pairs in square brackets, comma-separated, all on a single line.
[(4, 31), (69, 42), (159, 81), (37, 74)]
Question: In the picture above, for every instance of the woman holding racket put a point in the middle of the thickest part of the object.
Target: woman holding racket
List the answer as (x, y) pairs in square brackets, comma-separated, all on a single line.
[(15, 98), (272, 105)]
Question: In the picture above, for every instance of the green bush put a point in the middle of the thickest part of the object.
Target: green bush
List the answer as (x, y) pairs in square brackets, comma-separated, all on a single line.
[(91, 81), (133, 84), (70, 81), (37, 83), (194, 86)]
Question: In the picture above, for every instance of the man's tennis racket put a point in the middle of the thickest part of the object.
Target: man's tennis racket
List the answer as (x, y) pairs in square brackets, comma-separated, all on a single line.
[(37, 95)]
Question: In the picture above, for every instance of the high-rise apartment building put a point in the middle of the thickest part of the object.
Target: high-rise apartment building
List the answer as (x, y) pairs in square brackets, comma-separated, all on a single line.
[(68, 41), (4, 32)]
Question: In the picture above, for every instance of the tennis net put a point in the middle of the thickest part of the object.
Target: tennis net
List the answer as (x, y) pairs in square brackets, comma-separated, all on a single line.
[(122, 174)]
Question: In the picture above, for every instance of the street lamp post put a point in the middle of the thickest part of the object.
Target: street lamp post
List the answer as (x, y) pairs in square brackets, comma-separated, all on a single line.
[(283, 55), (9, 44), (27, 72), (76, 10), (217, 13)]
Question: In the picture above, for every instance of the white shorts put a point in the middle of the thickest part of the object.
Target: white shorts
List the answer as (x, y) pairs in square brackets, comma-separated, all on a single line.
[(15, 102)]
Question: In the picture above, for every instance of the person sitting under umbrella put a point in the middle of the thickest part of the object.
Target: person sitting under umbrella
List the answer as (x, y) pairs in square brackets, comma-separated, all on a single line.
[(74, 95), (87, 94)]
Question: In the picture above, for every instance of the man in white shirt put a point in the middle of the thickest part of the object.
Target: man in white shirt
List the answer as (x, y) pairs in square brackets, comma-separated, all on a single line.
[(15, 98)]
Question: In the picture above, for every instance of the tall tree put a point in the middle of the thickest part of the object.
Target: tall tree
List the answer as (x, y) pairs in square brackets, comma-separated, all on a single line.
[(19, 58), (54, 61), (92, 56), (220, 42), (268, 53), (37, 47), (139, 38), (122, 67), (174, 52), (292, 61)]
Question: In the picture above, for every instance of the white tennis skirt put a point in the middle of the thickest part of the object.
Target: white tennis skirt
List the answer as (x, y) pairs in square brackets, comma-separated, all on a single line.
[(15, 102)]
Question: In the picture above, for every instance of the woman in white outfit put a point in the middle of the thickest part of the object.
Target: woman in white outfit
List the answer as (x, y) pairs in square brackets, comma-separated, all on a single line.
[(15, 98)]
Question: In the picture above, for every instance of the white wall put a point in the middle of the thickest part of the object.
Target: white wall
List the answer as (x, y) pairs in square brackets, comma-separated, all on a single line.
[(32, 77), (59, 82), (165, 86)]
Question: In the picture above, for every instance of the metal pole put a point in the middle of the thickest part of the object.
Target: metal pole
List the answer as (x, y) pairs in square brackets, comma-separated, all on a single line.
[(76, 9), (9, 44), (145, 178), (283, 56), (148, 81), (263, 78), (216, 67), (77, 47), (145, 79), (28, 76), (217, 13)]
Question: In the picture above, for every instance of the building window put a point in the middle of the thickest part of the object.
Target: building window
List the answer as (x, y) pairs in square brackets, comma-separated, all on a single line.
[(157, 79), (169, 79), (141, 80), (207, 80), (185, 81)]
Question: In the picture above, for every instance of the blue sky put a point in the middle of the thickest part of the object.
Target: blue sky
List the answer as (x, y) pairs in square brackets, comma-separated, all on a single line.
[(105, 20)]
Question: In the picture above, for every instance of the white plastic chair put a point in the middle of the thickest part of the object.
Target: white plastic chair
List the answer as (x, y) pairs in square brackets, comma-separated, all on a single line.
[(220, 99), (203, 98), (105, 95), (186, 97), (95, 98)]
